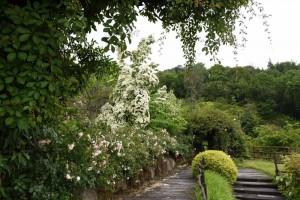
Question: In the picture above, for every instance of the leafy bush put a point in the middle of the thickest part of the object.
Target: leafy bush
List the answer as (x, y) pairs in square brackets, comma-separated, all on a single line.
[(217, 187), (275, 136), (218, 162), (166, 113), (289, 183), (248, 123), (219, 129)]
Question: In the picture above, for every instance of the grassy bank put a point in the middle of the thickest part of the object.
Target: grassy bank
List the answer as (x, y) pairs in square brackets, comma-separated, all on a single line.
[(217, 187)]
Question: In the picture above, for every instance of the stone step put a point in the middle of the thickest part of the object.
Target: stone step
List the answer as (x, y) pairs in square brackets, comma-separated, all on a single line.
[(243, 196), (255, 184), (254, 179), (251, 190)]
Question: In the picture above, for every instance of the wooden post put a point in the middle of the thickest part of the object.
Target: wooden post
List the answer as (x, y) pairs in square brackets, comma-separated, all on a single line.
[(276, 164), (201, 180)]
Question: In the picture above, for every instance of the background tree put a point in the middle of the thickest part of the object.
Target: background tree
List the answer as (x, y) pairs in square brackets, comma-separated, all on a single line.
[(216, 127)]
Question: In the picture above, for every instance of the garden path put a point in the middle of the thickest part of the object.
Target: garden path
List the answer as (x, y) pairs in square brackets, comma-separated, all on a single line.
[(178, 186)]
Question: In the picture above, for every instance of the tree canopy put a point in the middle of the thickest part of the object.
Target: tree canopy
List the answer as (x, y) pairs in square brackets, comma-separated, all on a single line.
[(217, 18)]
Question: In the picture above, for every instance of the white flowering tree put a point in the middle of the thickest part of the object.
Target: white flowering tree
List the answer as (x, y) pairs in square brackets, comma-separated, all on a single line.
[(130, 99)]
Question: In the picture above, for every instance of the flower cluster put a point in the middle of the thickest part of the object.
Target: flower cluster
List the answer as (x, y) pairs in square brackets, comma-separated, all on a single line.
[(130, 98)]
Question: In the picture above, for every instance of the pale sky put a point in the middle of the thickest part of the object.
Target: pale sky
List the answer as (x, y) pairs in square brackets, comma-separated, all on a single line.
[(285, 34)]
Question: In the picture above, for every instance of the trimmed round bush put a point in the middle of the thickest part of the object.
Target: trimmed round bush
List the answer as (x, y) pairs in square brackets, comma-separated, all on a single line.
[(218, 162)]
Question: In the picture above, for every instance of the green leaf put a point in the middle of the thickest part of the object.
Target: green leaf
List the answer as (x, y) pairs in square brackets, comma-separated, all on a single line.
[(32, 102), (23, 124), (26, 99), (11, 89), (55, 69), (62, 20), (36, 40), (1, 87), (24, 37), (51, 52), (18, 114), (25, 47), (113, 40), (30, 84), (43, 84), (15, 70), (106, 48), (9, 79), (36, 95), (9, 121), (51, 87), (22, 56), (105, 39), (112, 48), (9, 50), (23, 30), (11, 56), (16, 44), (20, 80), (106, 30), (2, 111), (78, 24), (34, 75), (31, 58)]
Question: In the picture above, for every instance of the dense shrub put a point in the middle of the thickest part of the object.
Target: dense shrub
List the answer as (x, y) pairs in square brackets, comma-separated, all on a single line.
[(166, 113), (289, 183), (220, 130), (276, 136), (218, 162)]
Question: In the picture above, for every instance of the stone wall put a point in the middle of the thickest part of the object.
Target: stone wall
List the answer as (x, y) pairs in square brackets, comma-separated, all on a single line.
[(161, 167)]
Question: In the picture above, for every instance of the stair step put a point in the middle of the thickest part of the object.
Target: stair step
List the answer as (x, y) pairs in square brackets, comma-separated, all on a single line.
[(243, 196), (251, 190), (254, 179), (255, 184)]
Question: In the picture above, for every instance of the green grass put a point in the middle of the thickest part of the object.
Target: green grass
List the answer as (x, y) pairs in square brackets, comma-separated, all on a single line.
[(265, 166), (217, 187)]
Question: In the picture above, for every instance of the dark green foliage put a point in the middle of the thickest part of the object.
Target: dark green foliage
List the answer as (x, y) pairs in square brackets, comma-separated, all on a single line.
[(174, 79), (45, 59), (39, 48), (219, 129), (273, 92), (276, 136), (248, 123)]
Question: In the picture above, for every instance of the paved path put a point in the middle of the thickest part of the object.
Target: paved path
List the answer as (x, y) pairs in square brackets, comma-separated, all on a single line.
[(179, 186), (252, 184)]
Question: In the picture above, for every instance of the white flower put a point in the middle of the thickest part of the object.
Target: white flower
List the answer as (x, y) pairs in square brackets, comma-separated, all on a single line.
[(42, 142), (71, 146), (80, 135), (88, 137), (96, 153), (68, 176), (78, 178), (130, 98)]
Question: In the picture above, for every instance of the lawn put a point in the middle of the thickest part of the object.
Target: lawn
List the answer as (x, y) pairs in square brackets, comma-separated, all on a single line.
[(266, 166)]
